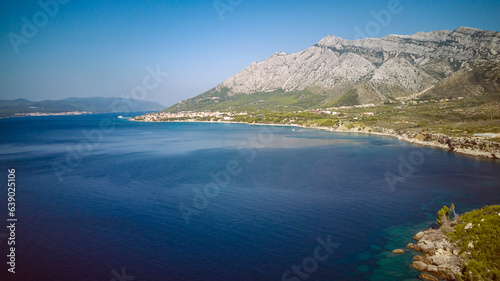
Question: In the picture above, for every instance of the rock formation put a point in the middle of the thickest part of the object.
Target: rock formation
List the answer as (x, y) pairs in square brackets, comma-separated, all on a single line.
[(440, 256)]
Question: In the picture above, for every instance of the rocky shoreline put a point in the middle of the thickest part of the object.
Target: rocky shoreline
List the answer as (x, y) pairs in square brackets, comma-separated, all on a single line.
[(464, 248), (473, 146), (439, 257)]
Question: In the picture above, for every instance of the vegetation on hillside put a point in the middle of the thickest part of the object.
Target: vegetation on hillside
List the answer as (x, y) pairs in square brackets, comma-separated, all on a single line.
[(478, 235), (278, 100), (458, 117), (351, 97)]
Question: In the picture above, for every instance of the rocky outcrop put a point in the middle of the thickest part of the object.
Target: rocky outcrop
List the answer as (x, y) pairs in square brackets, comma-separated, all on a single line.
[(418, 236), (432, 268), (426, 246), (419, 265), (439, 256)]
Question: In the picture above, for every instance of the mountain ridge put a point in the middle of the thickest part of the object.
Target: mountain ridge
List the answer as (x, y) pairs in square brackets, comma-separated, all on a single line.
[(379, 69)]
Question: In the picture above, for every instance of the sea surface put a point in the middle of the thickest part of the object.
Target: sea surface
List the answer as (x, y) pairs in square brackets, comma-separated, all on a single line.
[(103, 198)]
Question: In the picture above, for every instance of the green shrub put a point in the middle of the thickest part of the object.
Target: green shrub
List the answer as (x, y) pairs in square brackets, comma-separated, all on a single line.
[(327, 123), (443, 215), (483, 263)]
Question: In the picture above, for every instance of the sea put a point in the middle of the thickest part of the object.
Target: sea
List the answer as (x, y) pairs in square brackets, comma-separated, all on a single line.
[(100, 197)]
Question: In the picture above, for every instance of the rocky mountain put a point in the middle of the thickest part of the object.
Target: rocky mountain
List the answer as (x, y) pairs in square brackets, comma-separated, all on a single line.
[(336, 71), (481, 79)]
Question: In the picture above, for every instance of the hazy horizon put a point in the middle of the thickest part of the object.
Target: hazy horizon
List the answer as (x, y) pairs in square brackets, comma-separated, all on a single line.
[(68, 49)]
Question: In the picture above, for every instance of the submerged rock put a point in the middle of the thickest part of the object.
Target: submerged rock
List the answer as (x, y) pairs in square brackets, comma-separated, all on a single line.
[(398, 251)]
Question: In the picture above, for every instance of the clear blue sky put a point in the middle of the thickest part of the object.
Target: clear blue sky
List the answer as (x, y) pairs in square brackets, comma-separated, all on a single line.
[(102, 48)]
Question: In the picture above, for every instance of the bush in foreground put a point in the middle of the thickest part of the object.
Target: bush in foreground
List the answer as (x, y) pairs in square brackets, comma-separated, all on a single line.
[(478, 235)]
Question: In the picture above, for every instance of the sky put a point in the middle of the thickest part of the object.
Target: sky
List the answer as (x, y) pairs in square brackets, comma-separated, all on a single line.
[(167, 51)]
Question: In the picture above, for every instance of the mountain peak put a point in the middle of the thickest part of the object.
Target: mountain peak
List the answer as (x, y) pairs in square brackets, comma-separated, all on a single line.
[(467, 30), (375, 69), (331, 40)]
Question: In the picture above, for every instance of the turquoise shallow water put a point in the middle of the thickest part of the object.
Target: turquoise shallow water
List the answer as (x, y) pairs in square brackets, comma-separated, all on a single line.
[(199, 201)]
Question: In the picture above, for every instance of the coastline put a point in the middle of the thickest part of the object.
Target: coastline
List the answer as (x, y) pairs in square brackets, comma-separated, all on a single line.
[(460, 248), (434, 255), (470, 146)]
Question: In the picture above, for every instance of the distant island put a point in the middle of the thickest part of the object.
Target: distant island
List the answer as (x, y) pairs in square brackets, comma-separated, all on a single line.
[(74, 106)]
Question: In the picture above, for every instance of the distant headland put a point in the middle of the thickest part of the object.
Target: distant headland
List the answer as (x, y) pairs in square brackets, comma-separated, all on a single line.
[(74, 106)]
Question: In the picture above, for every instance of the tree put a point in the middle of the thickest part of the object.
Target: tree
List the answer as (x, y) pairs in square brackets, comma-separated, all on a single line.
[(452, 208), (443, 215), (493, 109)]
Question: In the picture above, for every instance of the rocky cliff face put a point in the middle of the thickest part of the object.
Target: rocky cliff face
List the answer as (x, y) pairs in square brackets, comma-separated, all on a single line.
[(378, 68)]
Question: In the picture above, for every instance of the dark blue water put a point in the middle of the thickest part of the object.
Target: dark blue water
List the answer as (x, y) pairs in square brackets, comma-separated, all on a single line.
[(103, 198)]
